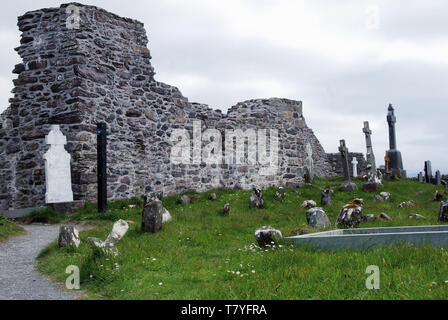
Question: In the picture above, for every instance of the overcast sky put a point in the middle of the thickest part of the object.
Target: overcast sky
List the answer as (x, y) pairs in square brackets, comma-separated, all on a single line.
[(346, 60)]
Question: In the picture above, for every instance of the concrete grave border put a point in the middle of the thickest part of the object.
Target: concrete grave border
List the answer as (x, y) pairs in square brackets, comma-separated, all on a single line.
[(369, 238)]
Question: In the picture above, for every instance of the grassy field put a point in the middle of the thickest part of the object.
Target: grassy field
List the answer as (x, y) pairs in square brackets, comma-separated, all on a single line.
[(202, 254), (8, 229)]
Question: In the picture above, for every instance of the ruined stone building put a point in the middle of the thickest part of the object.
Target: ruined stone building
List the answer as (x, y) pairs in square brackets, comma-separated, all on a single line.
[(101, 71)]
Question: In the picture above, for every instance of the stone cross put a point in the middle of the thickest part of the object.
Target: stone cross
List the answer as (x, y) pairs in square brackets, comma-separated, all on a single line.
[(344, 157), (370, 156), (428, 172), (57, 168), (309, 164), (355, 168)]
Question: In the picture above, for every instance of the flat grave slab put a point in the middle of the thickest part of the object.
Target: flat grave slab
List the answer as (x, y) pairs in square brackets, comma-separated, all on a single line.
[(369, 238)]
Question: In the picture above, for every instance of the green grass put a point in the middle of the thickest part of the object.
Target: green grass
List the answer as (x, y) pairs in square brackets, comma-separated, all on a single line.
[(198, 254), (8, 229)]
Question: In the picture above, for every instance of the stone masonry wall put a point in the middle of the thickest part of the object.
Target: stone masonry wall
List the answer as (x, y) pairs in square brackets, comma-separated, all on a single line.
[(102, 72)]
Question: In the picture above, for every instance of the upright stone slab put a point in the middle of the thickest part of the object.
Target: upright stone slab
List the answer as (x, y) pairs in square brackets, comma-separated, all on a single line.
[(309, 174), (395, 162), (437, 180), (58, 179), (348, 185), (152, 216), (355, 167), (326, 198), (428, 172)]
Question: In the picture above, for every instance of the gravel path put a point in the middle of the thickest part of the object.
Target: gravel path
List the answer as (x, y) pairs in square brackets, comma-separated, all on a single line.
[(19, 279)]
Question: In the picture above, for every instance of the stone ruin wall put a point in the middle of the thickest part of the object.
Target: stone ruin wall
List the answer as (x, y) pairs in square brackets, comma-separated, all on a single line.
[(102, 72)]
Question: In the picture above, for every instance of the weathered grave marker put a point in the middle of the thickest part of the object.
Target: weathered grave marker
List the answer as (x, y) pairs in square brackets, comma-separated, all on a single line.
[(438, 178), (348, 185), (57, 168), (373, 182), (428, 172)]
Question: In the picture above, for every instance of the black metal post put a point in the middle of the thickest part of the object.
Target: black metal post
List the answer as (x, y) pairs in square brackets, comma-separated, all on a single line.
[(101, 167)]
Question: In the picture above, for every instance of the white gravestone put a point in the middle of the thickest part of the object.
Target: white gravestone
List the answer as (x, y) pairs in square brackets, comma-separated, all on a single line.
[(355, 168), (57, 168)]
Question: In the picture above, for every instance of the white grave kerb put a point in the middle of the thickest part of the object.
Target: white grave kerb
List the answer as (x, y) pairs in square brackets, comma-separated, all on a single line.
[(58, 180)]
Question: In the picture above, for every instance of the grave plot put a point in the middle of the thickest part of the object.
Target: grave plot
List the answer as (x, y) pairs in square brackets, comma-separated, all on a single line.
[(369, 238)]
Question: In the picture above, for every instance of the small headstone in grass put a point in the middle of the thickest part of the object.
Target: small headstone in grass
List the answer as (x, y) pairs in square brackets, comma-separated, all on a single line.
[(166, 216), (280, 193), (267, 236), (384, 216), (256, 199), (119, 229), (317, 218), (438, 196), (443, 211), (68, 235), (326, 197), (308, 204), (184, 199), (368, 217), (351, 214), (416, 216), (377, 197), (407, 204), (226, 209), (385, 195), (152, 216), (212, 196)]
